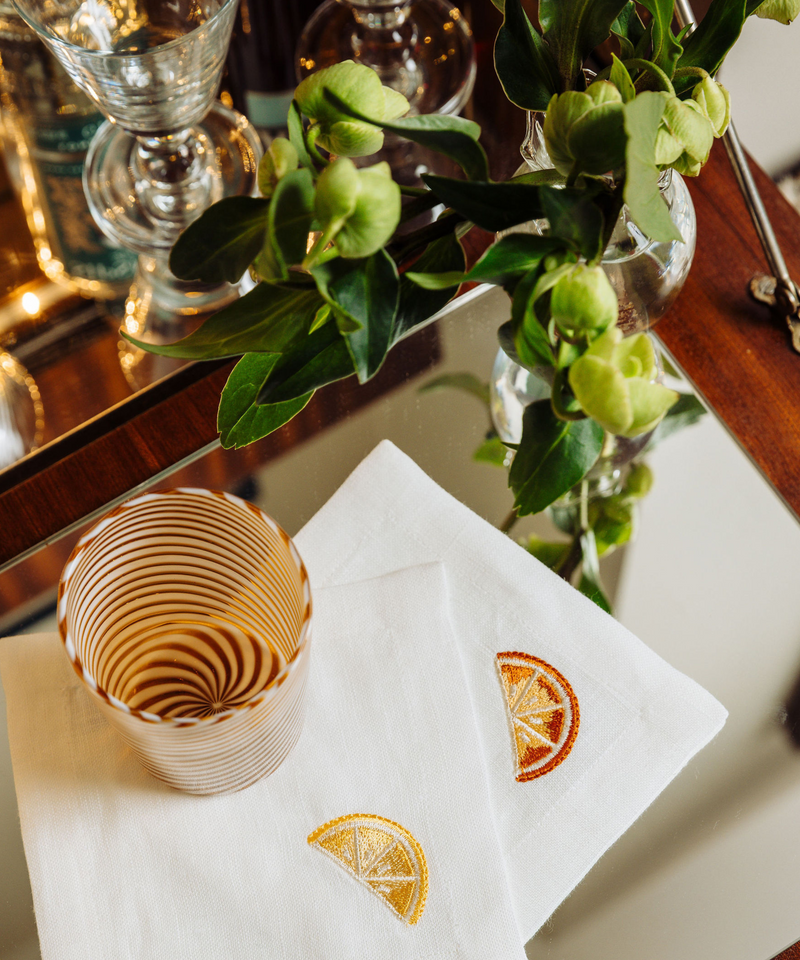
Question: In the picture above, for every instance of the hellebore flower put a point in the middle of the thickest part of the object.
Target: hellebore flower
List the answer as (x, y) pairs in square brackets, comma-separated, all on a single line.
[(684, 138), (784, 11), (587, 128), (613, 383), (715, 102), (279, 159), (358, 86), (584, 300), (357, 209)]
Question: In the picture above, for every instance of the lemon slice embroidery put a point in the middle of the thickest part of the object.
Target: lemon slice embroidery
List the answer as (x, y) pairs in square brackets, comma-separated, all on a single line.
[(542, 711), (382, 856)]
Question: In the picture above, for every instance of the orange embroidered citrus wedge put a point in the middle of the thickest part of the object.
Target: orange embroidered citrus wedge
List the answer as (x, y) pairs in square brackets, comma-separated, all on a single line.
[(381, 855), (542, 710)]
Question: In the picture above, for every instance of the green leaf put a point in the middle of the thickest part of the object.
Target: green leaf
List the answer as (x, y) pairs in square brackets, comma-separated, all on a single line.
[(716, 33), (436, 281), (666, 49), (289, 219), (297, 136), (684, 413), (641, 193), (467, 382), (240, 419), (523, 61), (454, 137), (548, 552), (269, 319), (784, 11), (417, 306), (222, 243), (590, 584), (531, 340), (573, 28), (513, 256), (492, 451), (319, 359), (622, 79), (574, 218), (493, 206), (553, 456), (629, 29), (510, 257), (375, 291)]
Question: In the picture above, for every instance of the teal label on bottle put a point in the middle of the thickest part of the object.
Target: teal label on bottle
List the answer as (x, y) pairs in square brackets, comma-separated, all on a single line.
[(82, 248), (66, 134)]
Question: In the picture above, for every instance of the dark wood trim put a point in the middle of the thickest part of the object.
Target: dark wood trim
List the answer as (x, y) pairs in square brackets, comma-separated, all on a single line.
[(791, 953), (736, 353), (170, 428)]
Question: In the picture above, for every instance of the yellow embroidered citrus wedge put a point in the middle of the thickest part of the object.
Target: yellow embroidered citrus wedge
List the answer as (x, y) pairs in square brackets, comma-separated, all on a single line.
[(542, 710), (381, 855)]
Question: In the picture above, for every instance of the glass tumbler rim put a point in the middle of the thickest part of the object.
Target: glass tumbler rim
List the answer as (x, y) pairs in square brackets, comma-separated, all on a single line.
[(195, 723), (114, 54)]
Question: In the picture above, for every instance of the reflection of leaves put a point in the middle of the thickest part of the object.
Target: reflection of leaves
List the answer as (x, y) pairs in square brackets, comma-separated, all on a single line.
[(590, 585), (550, 553), (686, 412), (492, 451), (467, 382)]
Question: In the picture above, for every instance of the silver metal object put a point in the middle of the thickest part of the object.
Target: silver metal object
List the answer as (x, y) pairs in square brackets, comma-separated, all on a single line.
[(783, 292)]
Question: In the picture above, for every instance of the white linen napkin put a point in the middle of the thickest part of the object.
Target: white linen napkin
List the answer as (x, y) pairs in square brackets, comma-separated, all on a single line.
[(641, 720), (124, 868)]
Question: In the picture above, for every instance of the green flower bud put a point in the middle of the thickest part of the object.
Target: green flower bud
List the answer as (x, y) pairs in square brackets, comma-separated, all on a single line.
[(784, 11), (584, 300), (613, 383), (715, 102), (360, 86), (639, 481), (684, 138), (280, 159), (358, 209), (586, 128), (337, 190)]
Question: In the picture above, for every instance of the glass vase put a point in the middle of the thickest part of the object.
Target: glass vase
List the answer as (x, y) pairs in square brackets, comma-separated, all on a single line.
[(647, 274)]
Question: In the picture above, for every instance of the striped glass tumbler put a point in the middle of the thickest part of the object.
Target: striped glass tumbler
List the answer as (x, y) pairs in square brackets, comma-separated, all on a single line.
[(187, 614)]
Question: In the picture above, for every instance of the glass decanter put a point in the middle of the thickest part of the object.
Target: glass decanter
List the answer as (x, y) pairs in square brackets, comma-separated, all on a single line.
[(421, 48)]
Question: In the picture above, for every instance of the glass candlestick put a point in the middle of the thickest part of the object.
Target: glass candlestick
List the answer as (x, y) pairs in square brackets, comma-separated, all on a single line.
[(422, 49)]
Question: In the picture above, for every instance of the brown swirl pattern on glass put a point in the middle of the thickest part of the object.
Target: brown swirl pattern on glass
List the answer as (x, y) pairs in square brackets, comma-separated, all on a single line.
[(187, 614)]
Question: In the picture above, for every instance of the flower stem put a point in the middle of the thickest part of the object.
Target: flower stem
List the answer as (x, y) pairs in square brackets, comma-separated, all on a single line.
[(647, 66), (510, 521)]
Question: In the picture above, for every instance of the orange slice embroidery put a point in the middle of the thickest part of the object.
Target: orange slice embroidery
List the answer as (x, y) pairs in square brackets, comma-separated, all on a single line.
[(542, 710), (382, 856)]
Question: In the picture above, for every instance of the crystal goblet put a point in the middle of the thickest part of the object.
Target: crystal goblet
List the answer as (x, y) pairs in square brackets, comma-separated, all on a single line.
[(167, 150)]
